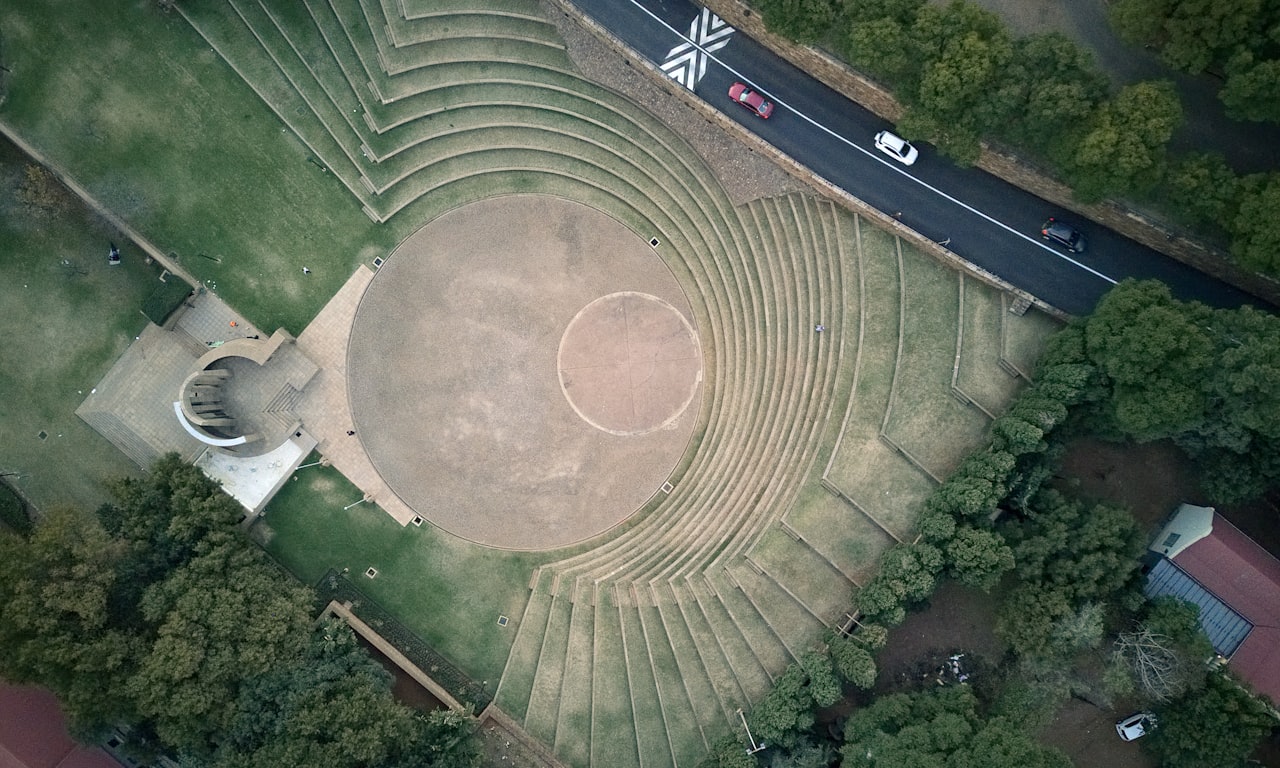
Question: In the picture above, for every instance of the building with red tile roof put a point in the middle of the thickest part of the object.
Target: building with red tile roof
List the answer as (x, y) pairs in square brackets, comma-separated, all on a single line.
[(1236, 584), (33, 733)]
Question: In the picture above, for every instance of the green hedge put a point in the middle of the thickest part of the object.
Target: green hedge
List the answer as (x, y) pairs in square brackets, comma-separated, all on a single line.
[(13, 511), (165, 299)]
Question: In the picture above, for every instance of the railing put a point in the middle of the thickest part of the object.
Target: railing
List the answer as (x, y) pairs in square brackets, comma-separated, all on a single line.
[(335, 586)]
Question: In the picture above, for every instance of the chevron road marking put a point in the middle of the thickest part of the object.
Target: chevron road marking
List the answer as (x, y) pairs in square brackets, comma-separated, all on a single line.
[(687, 62)]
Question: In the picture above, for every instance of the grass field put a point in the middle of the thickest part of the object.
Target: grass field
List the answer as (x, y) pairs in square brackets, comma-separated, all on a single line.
[(161, 131), (67, 317), (448, 591)]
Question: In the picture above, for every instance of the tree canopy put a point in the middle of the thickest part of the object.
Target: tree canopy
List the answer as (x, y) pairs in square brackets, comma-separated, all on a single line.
[(1205, 378), (1217, 725), (940, 728), (159, 615)]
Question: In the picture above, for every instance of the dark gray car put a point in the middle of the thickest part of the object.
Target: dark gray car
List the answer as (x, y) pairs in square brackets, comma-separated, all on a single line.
[(1063, 234)]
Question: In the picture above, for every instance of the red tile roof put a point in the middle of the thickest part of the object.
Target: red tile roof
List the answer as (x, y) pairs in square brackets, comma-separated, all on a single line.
[(33, 733), (1246, 577)]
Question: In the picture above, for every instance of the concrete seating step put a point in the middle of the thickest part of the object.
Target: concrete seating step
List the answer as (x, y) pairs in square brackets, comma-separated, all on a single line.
[(613, 720)]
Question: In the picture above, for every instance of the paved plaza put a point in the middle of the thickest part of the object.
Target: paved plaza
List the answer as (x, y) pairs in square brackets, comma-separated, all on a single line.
[(524, 372)]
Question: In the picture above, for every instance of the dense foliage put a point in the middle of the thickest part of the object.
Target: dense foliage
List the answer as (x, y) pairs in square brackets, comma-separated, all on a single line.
[(1209, 379), (940, 727), (157, 615), (1238, 38), (964, 78), (1214, 726)]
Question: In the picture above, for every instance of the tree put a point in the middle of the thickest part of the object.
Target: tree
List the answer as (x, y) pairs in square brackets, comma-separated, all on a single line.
[(162, 518), (883, 48), (1083, 553), (937, 728), (1140, 22), (1156, 352), (803, 21), (1166, 651), (1122, 150), (1215, 726), (1255, 230), (785, 712), (823, 685), (1016, 436), (978, 557), (964, 53), (1154, 663), (225, 618), (1193, 35), (55, 626), (810, 752), (854, 663), (1027, 618), (1252, 90), (729, 752), (907, 575), (169, 621), (975, 488), (1202, 188), (878, 39), (1050, 84)]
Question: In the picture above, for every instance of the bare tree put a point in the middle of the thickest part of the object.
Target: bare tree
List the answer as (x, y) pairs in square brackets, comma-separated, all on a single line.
[(1158, 668)]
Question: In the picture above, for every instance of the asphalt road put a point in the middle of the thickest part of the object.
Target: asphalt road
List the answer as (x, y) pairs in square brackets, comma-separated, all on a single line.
[(989, 222)]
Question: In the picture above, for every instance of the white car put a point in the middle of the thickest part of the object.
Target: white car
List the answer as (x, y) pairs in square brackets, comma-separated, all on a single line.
[(1136, 726), (896, 147)]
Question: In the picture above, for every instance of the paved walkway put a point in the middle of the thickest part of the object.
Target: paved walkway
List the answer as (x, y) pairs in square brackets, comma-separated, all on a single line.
[(132, 405), (325, 408)]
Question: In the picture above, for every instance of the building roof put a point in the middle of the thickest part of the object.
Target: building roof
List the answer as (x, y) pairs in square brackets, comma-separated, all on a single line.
[(1235, 570), (1225, 628), (1187, 525), (33, 733)]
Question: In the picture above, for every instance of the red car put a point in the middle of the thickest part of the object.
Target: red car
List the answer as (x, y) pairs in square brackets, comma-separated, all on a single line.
[(750, 99)]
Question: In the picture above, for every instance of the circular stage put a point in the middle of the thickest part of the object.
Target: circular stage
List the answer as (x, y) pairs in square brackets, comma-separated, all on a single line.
[(524, 372)]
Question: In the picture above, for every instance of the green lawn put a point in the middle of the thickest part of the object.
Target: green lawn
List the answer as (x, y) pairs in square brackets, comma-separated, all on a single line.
[(130, 103), (447, 590), (67, 317)]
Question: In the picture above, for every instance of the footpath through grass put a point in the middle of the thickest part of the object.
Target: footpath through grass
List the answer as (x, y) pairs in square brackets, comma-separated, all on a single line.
[(450, 592), (66, 317), (160, 130)]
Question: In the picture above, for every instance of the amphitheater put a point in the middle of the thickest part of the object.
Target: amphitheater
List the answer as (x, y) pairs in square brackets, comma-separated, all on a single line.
[(807, 454)]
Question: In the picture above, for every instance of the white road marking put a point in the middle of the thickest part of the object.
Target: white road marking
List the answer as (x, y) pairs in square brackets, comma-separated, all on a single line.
[(707, 52)]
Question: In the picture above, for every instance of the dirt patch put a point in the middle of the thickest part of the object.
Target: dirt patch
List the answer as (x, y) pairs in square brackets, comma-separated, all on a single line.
[(958, 620), (1088, 736), (459, 397), (1149, 479), (1152, 480)]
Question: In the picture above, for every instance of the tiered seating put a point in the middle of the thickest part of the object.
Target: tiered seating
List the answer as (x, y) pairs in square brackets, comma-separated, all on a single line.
[(923, 374), (882, 484), (637, 653), (992, 339)]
